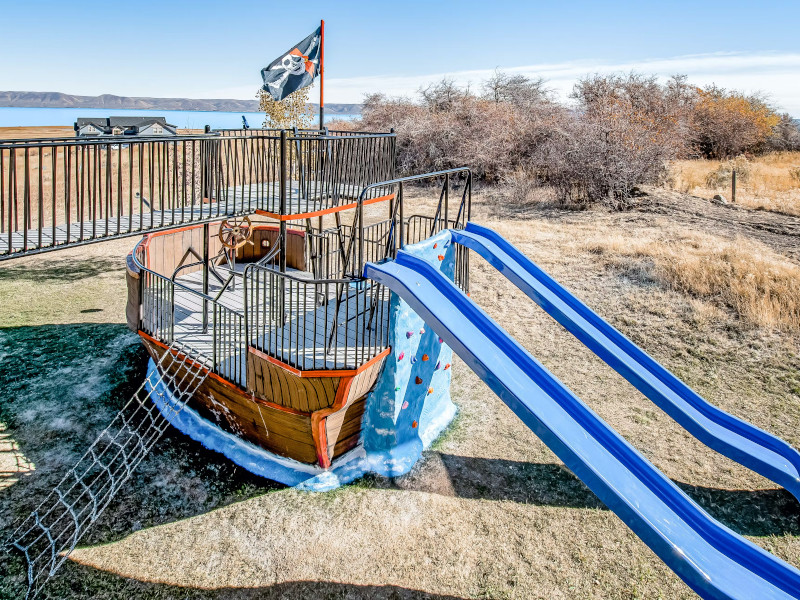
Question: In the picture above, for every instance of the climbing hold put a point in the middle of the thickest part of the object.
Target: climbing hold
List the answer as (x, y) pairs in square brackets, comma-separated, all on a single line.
[(414, 424), (440, 340), (418, 380), (421, 331), (430, 391), (397, 389), (469, 295), (409, 334), (405, 405), (447, 366), (425, 357), (413, 359), (436, 244), (438, 364), (440, 257), (401, 355)]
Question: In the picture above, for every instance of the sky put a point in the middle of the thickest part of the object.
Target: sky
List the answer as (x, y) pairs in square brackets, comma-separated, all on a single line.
[(215, 49)]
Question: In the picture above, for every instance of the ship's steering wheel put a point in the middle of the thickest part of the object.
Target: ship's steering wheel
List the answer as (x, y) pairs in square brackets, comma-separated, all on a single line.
[(235, 233)]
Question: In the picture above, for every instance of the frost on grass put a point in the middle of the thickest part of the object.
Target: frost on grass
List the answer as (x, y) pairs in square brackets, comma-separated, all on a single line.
[(61, 383)]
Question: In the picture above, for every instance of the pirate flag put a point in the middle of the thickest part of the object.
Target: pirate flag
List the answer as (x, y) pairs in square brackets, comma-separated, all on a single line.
[(294, 70)]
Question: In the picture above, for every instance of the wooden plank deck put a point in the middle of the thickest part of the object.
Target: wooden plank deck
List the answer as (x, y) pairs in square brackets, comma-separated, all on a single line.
[(301, 340)]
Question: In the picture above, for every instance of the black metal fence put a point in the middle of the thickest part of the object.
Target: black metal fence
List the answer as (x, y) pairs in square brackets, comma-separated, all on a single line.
[(315, 324), (62, 192), (228, 343), (222, 340), (157, 302)]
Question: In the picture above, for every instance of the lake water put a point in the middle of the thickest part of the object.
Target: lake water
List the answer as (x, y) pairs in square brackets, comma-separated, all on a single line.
[(186, 119)]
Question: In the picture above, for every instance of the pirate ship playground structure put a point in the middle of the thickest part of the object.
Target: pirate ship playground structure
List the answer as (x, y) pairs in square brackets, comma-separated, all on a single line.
[(297, 337), (251, 257), (301, 310)]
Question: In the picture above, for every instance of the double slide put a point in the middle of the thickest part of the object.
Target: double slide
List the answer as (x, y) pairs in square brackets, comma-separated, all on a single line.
[(713, 560)]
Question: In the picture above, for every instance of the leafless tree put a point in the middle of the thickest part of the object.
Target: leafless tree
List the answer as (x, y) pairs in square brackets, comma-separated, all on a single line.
[(518, 90)]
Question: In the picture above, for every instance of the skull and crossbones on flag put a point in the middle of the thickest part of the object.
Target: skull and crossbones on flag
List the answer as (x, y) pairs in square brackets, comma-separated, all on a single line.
[(294, 70)]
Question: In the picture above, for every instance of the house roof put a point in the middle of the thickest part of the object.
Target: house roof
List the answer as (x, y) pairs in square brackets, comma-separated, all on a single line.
[(124, 122)]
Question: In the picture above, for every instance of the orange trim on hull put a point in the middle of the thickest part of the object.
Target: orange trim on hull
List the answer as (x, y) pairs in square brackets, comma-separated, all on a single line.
[(319, 418), (319, 213)]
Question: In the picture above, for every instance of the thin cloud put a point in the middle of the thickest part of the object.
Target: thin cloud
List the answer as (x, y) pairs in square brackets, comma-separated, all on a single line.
[(777, 75)]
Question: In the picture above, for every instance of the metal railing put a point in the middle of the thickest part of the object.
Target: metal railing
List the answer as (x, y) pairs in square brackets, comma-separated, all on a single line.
[(228, 343), (157, 301), (226, 336), (355, 256), (63, 192), (421, 227), (315, 324)]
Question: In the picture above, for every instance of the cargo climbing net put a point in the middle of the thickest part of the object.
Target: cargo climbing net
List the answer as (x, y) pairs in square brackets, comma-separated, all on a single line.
[(50, 533)]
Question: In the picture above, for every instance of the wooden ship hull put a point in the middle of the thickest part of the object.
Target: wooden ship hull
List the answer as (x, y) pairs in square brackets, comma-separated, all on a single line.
[(311, 416)]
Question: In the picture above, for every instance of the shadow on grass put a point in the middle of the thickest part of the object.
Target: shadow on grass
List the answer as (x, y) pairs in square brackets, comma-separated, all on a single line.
[(748, 512), (60, 270), (79, 582), (61, 385)]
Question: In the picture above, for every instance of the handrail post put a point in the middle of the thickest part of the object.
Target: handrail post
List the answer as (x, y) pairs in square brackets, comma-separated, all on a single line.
[(469, 198), (360, 236), (402, 217), (282, 255), (205, 276), (446, 200), (244, 308), (172, 313)]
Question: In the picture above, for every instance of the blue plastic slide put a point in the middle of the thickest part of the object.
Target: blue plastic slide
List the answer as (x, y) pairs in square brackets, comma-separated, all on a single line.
[(739, 440), (713, 560)]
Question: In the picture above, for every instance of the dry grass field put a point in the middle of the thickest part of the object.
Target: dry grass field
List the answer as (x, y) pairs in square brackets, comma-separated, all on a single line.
[(24, 133), (708, 290), (769, 182)]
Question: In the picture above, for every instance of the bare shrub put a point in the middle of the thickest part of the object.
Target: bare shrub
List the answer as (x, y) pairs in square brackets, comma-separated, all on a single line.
[(344, 124), (667, 107), (622, 133), (625, 131), (452, 127), (518, 90), (522, 187), (785, 135), (728, 123)]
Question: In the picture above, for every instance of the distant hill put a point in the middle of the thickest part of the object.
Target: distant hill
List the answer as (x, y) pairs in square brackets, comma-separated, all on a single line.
[(109, 101)]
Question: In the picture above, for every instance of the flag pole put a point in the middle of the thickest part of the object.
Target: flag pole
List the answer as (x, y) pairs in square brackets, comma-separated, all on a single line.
[(321, 74)]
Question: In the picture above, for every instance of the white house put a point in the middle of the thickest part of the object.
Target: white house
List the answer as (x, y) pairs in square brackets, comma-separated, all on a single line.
[(124, 126)]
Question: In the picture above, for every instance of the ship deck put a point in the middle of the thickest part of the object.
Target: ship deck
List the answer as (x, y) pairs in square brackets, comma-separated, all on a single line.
[(301, 341)]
